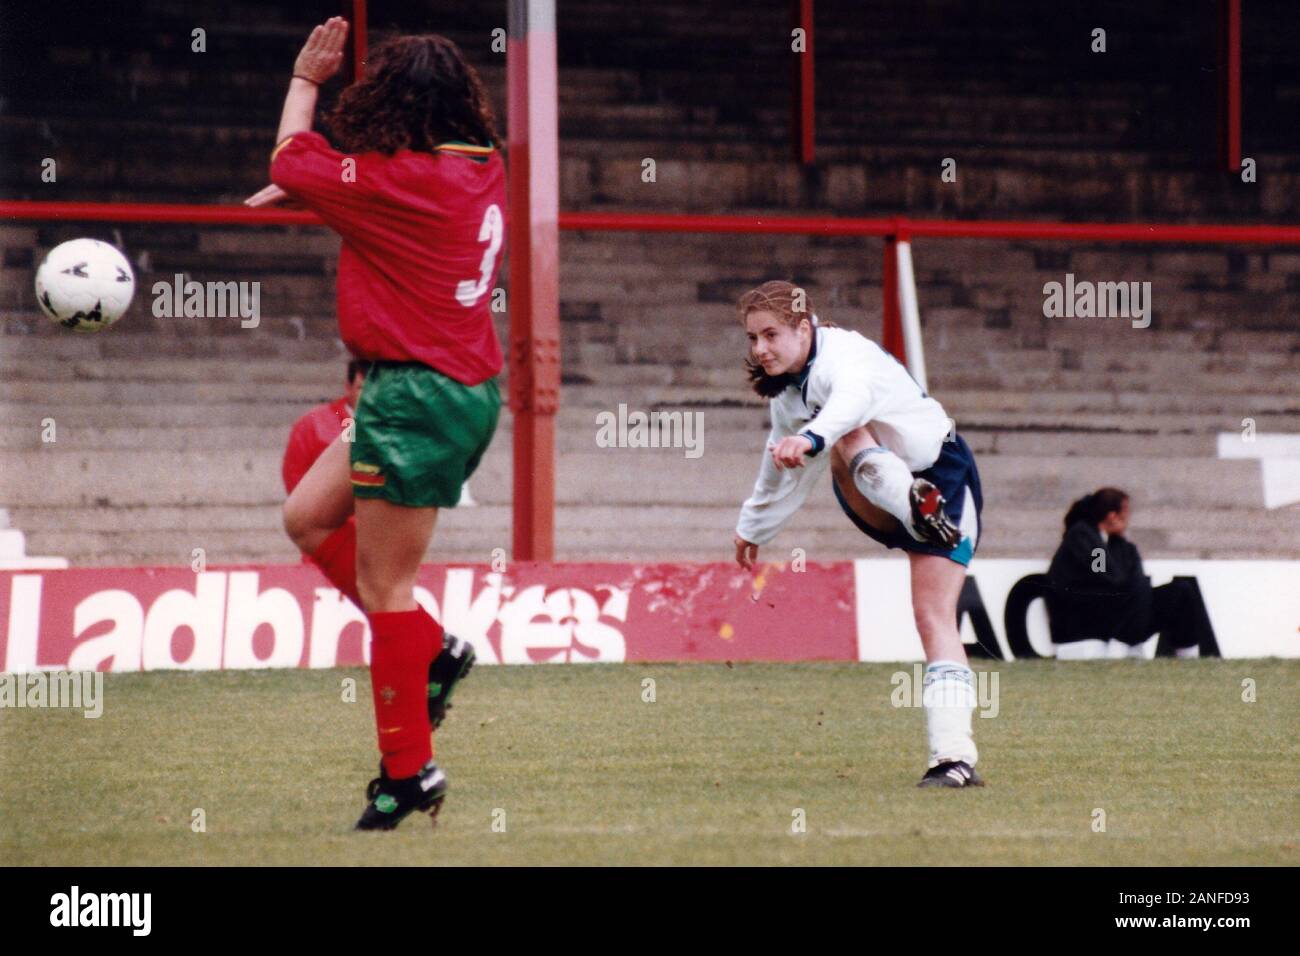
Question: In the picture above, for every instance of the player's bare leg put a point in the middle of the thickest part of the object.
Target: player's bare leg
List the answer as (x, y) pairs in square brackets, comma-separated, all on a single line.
[(391, 542), (885, 480), (949, 688), (322, 502), (936, 585), (841, 456), (318, 516)]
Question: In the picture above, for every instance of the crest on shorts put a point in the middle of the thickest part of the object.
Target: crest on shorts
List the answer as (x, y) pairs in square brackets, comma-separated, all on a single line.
[(366, 475)]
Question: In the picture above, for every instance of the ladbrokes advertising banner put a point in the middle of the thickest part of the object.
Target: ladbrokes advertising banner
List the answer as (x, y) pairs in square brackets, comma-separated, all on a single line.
[(127, 619)]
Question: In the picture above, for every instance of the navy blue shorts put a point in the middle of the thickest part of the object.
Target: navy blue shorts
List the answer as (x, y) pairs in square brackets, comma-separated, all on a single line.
[(958, 480)]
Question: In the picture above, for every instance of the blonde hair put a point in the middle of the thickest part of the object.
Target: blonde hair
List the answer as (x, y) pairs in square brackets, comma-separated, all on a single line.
[(780, 298)]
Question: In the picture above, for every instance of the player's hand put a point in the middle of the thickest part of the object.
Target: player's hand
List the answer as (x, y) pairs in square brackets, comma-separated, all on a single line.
[(273, 195), (322, 54), (746, 553), (789, 452)]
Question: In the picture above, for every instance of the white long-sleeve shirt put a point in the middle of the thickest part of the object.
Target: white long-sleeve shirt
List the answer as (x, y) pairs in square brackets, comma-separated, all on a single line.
[(849, 381)]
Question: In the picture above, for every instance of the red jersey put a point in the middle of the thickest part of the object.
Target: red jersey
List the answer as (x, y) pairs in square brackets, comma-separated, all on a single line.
[(423, 237), (311, 435)]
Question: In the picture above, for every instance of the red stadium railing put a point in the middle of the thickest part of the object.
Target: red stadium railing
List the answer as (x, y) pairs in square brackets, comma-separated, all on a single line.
[(684, 222), (900, 325), (894, 230)]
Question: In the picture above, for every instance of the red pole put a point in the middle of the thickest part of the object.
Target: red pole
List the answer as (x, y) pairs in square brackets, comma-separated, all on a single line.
[(891, 331), (1230, 85), (803, 86), (358, 34), (919, 228), (534, 237), (32, 211)]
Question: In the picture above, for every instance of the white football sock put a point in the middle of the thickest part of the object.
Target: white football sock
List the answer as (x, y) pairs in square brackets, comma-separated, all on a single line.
[(948, 694), (885, 481)]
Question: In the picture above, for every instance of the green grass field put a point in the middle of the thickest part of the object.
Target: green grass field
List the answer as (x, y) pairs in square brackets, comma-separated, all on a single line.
[(711, 772)]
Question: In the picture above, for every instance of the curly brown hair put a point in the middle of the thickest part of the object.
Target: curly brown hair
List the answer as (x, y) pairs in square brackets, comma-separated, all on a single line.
[(418, 91)]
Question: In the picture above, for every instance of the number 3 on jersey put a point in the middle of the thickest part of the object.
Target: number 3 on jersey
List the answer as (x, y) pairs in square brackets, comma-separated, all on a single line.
[(469, 291)]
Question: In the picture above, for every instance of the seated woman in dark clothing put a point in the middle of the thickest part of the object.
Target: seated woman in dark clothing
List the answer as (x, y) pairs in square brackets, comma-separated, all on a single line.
[(1100, 592)]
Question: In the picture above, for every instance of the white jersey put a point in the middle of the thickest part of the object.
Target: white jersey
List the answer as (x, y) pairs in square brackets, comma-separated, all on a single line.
[(849, 381)]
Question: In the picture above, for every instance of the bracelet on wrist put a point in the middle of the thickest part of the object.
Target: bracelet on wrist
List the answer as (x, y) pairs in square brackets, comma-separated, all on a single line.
[(299, 76)]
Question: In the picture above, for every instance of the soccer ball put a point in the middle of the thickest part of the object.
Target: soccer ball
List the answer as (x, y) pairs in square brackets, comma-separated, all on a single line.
[(84, 285)]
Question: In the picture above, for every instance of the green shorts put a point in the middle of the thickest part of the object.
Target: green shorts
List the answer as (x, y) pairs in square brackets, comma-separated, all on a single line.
[(419, 434)]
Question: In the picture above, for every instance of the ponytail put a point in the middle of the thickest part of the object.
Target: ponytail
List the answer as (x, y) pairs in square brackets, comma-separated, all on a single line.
[(1093, 508), (1079, 511)]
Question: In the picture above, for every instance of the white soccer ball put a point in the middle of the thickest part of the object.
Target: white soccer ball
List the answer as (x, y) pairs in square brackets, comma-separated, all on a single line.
[(84, 285)]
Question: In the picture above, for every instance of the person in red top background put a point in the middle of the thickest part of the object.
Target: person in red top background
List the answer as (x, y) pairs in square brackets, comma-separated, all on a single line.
[(317, 430), (320, 428), (418, 196)]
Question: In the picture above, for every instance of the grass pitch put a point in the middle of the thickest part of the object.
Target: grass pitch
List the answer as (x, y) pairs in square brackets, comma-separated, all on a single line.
[(581, 770)]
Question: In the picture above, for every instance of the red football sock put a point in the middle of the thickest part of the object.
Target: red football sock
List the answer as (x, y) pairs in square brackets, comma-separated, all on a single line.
[(401, 647), (337, 559)]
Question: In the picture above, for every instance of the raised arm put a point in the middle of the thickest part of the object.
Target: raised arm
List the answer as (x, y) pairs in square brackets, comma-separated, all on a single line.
[(319, 59)]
